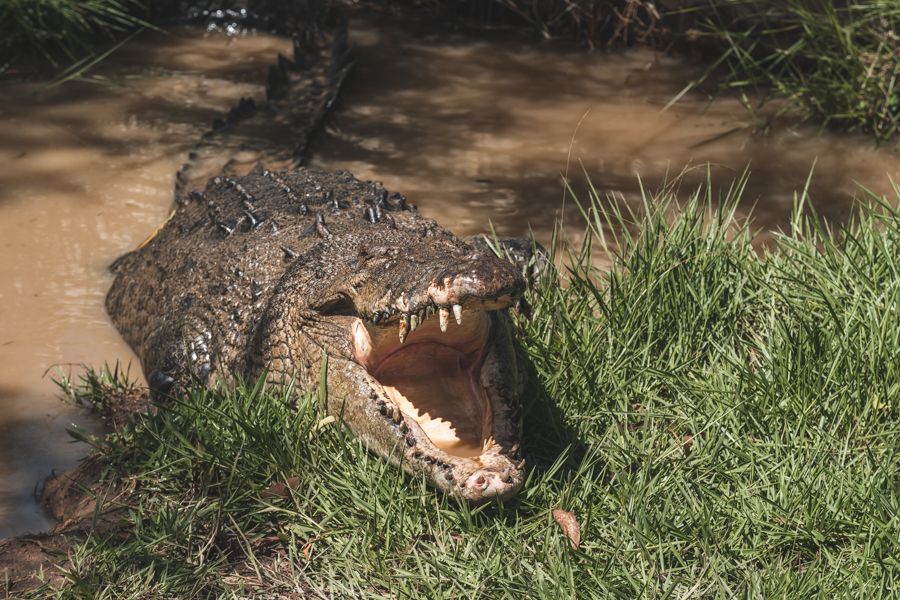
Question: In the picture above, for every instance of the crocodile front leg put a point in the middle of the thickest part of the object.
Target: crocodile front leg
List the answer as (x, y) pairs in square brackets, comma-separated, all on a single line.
[(179, 352)]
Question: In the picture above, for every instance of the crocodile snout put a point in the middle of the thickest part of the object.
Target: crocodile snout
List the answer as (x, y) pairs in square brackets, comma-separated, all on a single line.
[(489, 483), (480, 277)]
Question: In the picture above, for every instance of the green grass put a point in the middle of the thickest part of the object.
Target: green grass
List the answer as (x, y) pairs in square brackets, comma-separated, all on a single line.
[(722, 424), (837, 62)]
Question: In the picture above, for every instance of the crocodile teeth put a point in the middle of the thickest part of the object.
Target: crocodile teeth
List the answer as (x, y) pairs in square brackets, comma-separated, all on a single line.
[(404, 328), (457, 313), (413, 322), (445, 318)]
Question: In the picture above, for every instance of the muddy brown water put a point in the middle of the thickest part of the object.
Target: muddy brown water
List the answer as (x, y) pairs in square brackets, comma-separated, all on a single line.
[(482, 131), (86, 172), (472, 131)]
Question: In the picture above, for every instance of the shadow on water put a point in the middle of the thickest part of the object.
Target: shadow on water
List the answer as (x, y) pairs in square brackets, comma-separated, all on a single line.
[(126, 117), (480, 130), (87, 170)]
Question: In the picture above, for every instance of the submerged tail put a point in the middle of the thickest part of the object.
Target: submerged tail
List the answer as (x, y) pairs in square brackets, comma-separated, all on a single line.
[(299, 93)]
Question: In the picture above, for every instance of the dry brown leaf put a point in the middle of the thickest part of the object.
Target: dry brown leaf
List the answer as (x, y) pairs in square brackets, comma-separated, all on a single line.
[(307, 548), (569, 525), (281, 489)]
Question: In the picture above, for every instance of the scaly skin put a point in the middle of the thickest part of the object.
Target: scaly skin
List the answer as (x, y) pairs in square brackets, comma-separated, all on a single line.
[(271, 272)]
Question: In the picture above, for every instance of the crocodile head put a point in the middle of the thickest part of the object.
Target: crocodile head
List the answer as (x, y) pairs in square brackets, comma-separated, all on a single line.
[(290, 273), (427, 376)]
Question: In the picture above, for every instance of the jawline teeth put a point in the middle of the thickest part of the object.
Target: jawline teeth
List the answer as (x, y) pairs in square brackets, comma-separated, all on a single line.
[(404, 328), (409, 322)]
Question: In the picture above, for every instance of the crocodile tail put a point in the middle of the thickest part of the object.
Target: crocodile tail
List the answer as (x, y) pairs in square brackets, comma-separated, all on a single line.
[(300, 92)]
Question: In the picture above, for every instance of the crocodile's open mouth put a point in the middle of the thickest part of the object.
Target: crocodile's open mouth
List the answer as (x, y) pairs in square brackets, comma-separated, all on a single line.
[(433, 377), (441, 375)]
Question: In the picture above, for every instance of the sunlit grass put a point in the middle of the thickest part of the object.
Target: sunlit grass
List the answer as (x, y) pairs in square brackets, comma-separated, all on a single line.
[(838, 62), (722, 424)]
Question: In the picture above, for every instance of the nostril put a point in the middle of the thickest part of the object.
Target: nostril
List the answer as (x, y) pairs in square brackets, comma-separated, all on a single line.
[(480, 481)]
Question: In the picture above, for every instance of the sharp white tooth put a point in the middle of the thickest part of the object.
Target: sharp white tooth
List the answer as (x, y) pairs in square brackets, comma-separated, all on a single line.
[(404, 328), (457, 313), (444, 315), (413, 322)]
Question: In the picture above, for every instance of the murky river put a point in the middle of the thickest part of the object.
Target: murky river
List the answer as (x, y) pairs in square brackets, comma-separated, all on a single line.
[(479, 131), (472, 131), (86, 172)]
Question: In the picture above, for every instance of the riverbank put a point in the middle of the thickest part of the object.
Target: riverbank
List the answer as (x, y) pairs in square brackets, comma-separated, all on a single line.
[(719, 422), (87, 171)]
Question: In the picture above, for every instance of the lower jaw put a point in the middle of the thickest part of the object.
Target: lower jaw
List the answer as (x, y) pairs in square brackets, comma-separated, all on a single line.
[(490, 475), (430, 386), (467, 463)]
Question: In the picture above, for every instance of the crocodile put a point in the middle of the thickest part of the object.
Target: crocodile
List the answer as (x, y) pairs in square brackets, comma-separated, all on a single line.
[(271, 269)]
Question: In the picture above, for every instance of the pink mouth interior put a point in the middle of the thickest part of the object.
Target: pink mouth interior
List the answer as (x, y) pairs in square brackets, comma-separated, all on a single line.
[(433, 378)]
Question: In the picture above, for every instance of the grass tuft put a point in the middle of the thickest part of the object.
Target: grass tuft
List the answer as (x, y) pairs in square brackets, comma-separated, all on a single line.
[(836, 62)]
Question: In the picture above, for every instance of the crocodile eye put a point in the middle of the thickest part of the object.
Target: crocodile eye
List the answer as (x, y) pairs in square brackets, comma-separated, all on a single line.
[(339, 306)]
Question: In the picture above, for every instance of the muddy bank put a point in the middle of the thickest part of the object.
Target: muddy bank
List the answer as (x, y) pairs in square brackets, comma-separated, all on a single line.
[(79, 501)]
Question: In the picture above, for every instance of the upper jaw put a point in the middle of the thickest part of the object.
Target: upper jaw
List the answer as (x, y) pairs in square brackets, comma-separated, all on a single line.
[(475, 281)]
